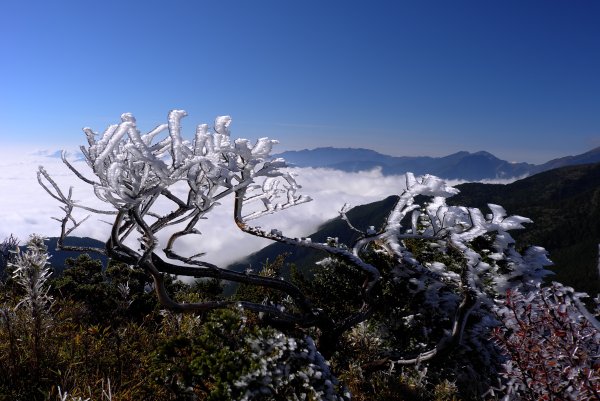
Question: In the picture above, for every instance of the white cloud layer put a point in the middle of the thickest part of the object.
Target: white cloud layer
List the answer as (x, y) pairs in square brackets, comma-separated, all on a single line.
[(25, 208)]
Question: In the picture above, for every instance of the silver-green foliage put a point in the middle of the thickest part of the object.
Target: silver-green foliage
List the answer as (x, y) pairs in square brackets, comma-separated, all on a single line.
[(31, 272)]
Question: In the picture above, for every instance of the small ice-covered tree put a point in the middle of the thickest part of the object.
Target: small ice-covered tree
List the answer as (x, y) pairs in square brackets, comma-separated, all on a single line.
[(31, 272), (133, 172)]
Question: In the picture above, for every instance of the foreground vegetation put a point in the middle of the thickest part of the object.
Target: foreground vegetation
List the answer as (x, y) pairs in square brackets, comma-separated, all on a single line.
[(101, 334)]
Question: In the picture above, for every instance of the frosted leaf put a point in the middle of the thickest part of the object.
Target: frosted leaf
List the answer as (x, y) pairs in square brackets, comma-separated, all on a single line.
[(128, 117), (174, 118), (503, 241), (263, 147), (147, 138), (514, 222), (222, 125), (537, 256), (410, 180), (99, 146), (431, 186), (90, 135), (108, 144), (498, 213), (113, 175), (414, 219), (242, 147), (277, 163), (437, 267), (202, 140), (138, 143)]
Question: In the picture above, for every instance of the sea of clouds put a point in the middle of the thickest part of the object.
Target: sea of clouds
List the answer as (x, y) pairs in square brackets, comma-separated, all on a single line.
[(26, 208)]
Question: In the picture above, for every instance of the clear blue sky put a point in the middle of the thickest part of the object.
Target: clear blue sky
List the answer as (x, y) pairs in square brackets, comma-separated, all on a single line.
[(518, 78)]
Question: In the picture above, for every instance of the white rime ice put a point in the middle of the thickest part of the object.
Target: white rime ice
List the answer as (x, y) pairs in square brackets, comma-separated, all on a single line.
[(131, 167)]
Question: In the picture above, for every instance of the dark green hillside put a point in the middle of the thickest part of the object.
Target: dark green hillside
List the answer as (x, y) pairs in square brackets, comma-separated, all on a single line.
[(361, 217), (564, 205)]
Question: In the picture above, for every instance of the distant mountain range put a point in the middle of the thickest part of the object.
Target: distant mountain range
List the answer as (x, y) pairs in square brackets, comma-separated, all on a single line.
[(462, 165), (563, 203)]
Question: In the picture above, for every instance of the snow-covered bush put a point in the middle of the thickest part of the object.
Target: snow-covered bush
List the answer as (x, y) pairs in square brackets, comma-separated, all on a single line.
[(25, 317), (31, 272), (290, 368), (224, 358)]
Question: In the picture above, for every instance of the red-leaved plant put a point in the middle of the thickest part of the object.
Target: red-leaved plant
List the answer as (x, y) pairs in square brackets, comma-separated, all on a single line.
[(552, 343)]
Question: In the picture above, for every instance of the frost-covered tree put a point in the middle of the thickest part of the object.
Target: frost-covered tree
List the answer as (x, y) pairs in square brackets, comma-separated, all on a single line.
[(31, 273), (133, 172)]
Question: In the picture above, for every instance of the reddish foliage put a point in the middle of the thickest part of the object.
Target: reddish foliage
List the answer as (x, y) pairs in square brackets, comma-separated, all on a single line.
[(553, 348)]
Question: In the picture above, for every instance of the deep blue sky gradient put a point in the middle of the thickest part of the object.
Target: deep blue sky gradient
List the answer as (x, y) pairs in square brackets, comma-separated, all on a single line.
[(518, 78)]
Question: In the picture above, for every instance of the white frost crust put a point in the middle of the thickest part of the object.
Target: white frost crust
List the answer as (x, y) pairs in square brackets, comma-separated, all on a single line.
[(132, 167), (175, 117)]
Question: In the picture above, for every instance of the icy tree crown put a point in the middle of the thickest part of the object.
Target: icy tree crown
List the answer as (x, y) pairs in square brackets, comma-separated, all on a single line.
[(131, 168)]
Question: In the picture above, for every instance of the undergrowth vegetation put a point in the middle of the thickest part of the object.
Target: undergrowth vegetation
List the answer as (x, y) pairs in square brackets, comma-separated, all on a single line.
[(99, 334)]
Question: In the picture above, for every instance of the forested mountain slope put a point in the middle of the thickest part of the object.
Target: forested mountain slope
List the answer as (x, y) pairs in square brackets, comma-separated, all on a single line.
[(564, 205), (361, 216)]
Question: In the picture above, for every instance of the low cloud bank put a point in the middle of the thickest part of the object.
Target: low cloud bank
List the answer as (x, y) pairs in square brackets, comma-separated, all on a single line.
[(26, 208)]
